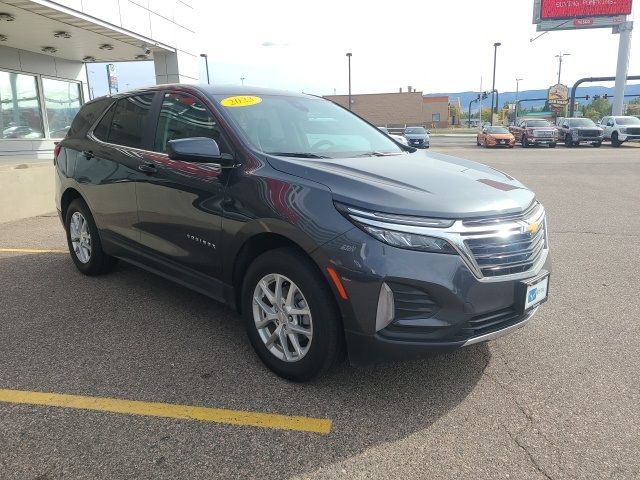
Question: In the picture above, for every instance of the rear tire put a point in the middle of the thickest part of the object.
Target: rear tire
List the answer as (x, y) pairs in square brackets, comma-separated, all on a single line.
[(84, 242), (525, 142), (319, 347)]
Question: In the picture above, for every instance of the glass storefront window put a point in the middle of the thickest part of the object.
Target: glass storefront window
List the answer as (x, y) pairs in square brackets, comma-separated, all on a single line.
[(62, 101), (20, 112)]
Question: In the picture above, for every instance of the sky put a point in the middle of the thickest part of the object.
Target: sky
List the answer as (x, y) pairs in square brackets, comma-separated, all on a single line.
[(432, 46)]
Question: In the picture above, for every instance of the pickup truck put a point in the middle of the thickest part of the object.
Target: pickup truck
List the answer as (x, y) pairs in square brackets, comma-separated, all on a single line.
[(535, 131), (621, 129), (577, 130)]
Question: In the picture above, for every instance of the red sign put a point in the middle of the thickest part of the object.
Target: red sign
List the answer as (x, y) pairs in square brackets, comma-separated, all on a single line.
[(559, 9)]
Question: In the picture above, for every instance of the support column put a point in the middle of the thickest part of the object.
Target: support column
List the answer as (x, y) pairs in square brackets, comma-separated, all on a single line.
[(175, 67), (624, 50)]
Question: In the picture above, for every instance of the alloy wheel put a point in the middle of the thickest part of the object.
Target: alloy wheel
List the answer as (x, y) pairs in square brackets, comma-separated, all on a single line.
[(282, 317), (80, 237)]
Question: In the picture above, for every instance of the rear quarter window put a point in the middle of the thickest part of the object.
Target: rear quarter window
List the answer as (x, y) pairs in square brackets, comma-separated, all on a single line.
[(87, 116)]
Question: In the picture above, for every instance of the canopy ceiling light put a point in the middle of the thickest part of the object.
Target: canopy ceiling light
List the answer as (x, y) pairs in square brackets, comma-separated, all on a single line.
[(62, 34), (49, 49), (7, 17), (106, 46), (3, 38), (88, 58)]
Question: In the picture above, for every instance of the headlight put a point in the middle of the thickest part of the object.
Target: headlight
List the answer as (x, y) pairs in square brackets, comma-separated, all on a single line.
[(623, 130), (400, 231), (409, 240)]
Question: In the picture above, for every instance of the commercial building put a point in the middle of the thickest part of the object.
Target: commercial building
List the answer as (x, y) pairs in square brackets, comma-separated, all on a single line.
[(398, 109), (44, 46)]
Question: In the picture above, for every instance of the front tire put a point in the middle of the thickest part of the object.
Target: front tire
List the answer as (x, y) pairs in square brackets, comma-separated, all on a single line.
[(552, 145), (615, 141), (84, 242), (290, 315), (525, 142), (597, 144)]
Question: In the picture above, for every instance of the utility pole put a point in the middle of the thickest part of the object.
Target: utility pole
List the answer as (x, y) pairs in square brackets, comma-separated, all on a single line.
[(206, 64), (559, 57), (349, 60), (518, 80), (624, 51), (494, 109), (480, 115)]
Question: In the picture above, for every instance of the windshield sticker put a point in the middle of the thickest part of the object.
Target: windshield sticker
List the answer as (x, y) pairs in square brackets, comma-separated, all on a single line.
[(240, 101)]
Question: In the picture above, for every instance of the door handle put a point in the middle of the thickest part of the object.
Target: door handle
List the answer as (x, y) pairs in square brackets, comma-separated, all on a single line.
[(148, 168), (88, 154)]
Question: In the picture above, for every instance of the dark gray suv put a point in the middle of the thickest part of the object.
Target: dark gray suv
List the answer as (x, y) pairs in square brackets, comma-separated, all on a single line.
[(327, 235)]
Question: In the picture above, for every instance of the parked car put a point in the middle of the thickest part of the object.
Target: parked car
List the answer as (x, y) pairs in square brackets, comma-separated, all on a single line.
[(397, 138), (535, 131), (576, 130), (620, 129), (318, 228), (21, 131), (495, 137), (417, 137)]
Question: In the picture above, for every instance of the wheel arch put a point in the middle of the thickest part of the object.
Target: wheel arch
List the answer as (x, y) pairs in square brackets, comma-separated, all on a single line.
[(69, 195)]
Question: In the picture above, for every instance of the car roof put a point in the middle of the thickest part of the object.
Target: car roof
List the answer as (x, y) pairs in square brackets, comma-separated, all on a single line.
[(211, 90)]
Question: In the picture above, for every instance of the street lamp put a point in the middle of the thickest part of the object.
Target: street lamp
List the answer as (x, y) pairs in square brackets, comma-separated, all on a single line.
[(349, 59), (559, 57), (518, 80), (242, 80), (206, 64), (494, 108)]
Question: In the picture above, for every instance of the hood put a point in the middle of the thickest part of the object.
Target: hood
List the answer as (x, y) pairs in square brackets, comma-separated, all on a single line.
[(416, 136), (500, 136), (419, 183)]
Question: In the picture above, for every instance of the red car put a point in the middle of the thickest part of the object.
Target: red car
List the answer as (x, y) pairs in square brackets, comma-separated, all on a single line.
[(495, 136)]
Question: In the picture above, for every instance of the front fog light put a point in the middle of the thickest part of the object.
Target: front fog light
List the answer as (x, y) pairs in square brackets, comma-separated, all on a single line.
[(409, 240), (386, 307)]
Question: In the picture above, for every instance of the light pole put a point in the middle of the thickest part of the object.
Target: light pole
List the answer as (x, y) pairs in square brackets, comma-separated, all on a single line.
[(242, 80), (206, 64), (559, 57), (349, 60), (518, 80), (494, 108)]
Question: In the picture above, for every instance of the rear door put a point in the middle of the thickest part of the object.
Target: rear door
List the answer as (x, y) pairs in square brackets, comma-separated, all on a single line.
[(107, 168), (180, 203)]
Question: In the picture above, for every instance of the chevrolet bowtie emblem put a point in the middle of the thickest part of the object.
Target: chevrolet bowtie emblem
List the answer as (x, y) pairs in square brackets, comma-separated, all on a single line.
[(532, 227)]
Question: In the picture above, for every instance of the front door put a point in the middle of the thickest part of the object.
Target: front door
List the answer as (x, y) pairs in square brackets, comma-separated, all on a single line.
[(180, 203)]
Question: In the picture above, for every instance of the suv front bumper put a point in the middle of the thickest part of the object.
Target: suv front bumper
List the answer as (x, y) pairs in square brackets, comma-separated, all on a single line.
[(440, 305)]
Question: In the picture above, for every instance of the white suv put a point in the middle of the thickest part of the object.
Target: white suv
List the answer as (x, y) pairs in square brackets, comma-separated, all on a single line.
[(621, 129)]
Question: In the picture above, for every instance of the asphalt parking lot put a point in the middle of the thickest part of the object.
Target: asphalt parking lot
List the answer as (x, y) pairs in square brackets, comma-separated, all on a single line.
[(557, 399)]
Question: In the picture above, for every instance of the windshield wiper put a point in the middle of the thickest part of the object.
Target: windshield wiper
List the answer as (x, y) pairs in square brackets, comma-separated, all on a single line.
[(377, 154), (297, 154)]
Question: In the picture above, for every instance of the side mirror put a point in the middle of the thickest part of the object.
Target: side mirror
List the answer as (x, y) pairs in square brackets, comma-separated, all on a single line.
[(566, 125), (198, 150)]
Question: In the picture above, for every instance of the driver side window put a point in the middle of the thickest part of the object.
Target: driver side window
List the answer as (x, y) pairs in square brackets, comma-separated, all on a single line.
[(184, 116)]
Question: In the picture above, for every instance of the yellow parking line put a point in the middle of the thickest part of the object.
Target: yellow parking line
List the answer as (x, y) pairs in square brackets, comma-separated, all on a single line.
[(168, 410), (31, 250)]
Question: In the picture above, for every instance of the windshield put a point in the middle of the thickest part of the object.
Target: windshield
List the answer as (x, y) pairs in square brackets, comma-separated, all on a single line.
[(538, 123), (581, 122), (627, 121), (305, 127), (415, 131), (497, 130)]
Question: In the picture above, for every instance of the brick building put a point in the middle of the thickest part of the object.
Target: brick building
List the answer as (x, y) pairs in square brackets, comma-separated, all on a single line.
[(398, 109)]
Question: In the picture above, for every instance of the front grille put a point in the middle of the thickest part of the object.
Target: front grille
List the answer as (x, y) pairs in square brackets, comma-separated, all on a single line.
[(507, 245), (411, 303), (590, 133), (633, 131), (542, 133)]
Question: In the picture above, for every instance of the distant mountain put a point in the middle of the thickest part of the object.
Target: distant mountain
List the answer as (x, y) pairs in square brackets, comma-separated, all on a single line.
[(466, 97)]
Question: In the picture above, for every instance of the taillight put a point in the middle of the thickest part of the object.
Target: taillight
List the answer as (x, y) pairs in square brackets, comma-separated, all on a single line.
[(56, 150)]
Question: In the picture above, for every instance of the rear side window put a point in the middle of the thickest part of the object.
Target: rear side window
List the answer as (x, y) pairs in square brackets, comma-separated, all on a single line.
[(184, 116), (129, 120), (87, 116), (101, 132)]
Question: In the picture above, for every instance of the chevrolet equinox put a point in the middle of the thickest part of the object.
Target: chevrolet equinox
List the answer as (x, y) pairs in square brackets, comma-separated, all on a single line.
[(324, 233)]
